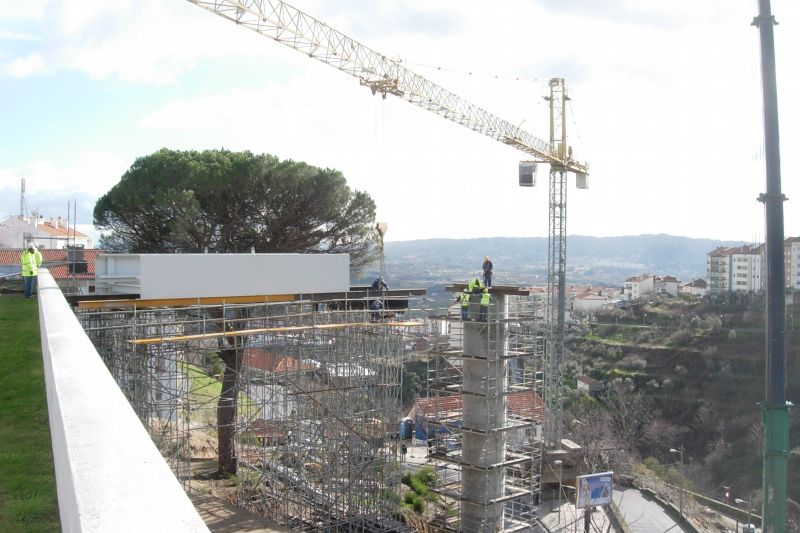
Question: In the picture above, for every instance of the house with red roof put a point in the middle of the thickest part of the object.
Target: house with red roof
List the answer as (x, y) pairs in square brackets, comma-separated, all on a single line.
[(72, 269), (697, 287)]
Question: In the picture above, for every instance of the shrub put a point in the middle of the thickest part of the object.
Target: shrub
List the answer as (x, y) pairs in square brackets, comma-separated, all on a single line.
[(680, 337)]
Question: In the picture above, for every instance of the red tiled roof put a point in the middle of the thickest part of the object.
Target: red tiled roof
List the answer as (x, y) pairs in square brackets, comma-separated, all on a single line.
[(670, 279), (524, 404), (48, 227), (590, 295), (639, 278), (264, 360), (55, 261), (439, 404), (744, 250)]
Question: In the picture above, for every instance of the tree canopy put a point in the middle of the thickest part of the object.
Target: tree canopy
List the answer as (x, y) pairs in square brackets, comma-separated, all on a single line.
[(223, 201)]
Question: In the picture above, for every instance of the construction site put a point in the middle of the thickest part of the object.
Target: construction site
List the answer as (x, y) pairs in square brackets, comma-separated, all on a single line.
[(317, 379), (302, 387)]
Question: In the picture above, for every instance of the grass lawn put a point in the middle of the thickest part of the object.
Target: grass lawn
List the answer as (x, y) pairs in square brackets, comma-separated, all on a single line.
[(27, 482)]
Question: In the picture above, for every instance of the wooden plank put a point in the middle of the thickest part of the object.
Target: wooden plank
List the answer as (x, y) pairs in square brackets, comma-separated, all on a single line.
[(259, 331)]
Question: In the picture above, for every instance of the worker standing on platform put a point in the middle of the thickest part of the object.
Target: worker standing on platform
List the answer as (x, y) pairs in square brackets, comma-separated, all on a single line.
[(379, 285), (30, 261), (465, 305), (486, 299), (487, 271)]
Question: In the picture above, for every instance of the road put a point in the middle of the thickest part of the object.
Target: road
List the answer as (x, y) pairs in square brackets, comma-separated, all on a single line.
[(643, 514)]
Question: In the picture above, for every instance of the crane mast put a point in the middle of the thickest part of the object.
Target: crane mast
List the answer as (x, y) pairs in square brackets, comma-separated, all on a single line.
[(382, 75)]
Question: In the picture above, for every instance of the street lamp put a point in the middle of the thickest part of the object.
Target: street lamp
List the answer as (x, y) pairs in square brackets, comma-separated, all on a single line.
[(680, 494), (557, 462), (747, 528)]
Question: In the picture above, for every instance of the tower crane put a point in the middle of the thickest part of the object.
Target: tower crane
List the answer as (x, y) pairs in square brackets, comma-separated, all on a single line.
[(382, 75)]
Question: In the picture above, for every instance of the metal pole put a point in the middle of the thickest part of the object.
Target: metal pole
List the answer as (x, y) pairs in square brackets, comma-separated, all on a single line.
[(558, 462), (680, 491), (775, 408)]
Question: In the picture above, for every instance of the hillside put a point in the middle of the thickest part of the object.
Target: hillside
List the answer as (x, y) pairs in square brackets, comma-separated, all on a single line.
[(590, 260), (687, 374)]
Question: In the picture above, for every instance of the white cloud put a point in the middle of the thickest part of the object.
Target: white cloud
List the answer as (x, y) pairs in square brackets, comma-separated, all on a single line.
[(15, 36), (24, 67), (666, 99), (29, 9), (90, 173)]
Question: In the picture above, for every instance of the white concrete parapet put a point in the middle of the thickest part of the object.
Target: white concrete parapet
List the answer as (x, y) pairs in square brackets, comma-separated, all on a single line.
[(109, 474)]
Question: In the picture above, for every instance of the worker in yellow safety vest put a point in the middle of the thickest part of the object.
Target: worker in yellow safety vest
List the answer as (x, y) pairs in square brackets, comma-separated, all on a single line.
[(475, 286), (465, 305), (30, 261), (486, 299)]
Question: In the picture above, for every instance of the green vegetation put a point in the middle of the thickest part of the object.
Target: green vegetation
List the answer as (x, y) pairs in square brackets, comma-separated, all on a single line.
[(681, 372), (27, 480), (223, 201), (204, 391), (420, 483)]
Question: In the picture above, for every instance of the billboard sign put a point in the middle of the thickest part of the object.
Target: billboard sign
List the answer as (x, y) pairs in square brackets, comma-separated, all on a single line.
[(594, 489)]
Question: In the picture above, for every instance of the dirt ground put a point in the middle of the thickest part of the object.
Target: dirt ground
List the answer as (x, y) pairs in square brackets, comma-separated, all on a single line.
[(213, 498)]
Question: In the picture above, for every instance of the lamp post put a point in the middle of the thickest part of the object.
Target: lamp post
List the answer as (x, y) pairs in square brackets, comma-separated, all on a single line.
[(680, 493), (746, 528), (557, 462)]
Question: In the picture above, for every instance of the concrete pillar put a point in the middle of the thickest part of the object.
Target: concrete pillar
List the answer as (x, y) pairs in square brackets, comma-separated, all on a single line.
[(484, 403)]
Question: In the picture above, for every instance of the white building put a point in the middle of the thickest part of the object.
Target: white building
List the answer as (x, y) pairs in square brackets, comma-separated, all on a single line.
[(718, 267), (737, 269), (639, 286), (697, 287), (54, 233), (588, 303), (668, 285), (791, 256)]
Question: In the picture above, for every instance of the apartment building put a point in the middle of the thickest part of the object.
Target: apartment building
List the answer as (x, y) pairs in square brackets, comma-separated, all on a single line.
[(791, 257), (743, 268)]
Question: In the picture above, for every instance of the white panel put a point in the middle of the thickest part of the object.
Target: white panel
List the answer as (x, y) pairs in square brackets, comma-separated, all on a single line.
[(109, 474), (117, 265), (204, 275)]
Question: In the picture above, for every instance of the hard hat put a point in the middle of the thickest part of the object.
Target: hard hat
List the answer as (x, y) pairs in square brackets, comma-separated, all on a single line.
[(486, 289)]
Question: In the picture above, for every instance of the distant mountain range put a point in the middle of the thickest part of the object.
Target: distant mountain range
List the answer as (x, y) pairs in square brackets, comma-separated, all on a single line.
[(597, 261)]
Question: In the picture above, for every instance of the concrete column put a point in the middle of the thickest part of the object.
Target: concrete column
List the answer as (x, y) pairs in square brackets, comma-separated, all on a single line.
[(484, 404)]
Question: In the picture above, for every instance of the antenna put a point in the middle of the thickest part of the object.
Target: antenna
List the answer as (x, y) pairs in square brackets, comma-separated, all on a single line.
[(22, 199)]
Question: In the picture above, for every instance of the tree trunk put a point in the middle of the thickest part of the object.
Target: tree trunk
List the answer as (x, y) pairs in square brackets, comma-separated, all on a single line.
[(226, 413)]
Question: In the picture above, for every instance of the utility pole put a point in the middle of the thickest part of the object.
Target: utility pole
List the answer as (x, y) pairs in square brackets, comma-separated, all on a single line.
[(775, 408), (680, 493)]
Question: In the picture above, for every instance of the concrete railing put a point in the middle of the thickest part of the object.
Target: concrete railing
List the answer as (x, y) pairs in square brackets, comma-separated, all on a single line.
[(109, 474)]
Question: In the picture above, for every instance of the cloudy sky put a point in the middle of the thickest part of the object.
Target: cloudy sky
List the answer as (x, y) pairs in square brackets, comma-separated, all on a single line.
[(666, 107)]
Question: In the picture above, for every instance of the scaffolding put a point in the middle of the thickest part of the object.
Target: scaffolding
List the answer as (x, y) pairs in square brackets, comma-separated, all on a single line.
[(318, 382), (483, 416)]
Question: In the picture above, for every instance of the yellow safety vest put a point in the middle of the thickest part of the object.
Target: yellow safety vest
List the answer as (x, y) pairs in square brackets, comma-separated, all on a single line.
[(473, 284), (464, 299), (486, 298), (30, 263)]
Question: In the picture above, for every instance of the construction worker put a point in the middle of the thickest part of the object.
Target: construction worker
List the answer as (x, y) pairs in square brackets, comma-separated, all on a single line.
[(475, 286), (30, 261), (486, 299), (465, 305), (377, 311), (379, 285), (487, 271)]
